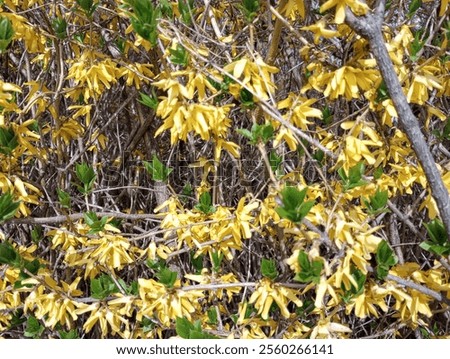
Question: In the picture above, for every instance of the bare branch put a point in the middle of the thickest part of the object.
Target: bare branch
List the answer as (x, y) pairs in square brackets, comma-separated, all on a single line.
[(369, 26)]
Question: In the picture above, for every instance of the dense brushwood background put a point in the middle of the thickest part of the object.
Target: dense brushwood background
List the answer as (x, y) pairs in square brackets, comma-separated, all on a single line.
[(72, 84)]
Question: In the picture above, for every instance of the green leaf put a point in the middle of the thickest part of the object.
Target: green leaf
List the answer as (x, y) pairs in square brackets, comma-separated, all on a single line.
[(382, 92), (214, 83), (309, 271), (64, 198), (8, 139), (205, 204), (102, 287), (8, 207), (17, 319), (354, 177), (445, 133), (197, 262), (186, 330), (212, 316), (183, 327), (88, 6), (446, 130), (149, 101), (179, 56), (186, 8), (96, 225), (441, 250), (266, 132), (59, 26), (144, 19), (353, 292), (32, 267), (166, 8), (79, 36), (37, 234), (437, 232), (34, 126), (356, 172), (167, 277), (8, 255), (294, 208), (157, 169), (249, 9), (6, 33), (269, 268), (416, 46), (156, 265), (25, 268), (246, 98), (86, 175), (327, 116), (133, 288), (198, 325), (385, 254), (377, 203), (120, 43), (147, 325), (439, 243), (275, 163), (319, 155), (246, 133), (216, 258), (413, 6), (385, 259), (306, 308), (292, 197), (378, 173), (186, 192), (302, 146), (72, 334), (34, 329)]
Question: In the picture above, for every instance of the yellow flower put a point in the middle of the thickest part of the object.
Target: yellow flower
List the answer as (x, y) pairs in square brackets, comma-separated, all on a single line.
[(167, 303), (253, 327), (357, 7), (423, 82), (206, 278), (319, 30), (267, 292), (107, 317), (254, 75), (292, 8), (53, 304), (326, 329), (300, 109)]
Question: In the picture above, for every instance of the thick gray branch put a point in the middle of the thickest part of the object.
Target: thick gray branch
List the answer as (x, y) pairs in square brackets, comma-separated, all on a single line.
[(369, 26)]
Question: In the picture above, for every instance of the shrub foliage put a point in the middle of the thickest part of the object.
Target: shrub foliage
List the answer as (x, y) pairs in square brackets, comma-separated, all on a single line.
[(221, 169)]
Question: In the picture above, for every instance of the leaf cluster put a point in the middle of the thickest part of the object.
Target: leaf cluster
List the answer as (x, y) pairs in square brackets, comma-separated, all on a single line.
[(157, 169), (385, 259), (354, 178), (258, 133), (187, 330), (439, 243), (309, 270), (294, 207)]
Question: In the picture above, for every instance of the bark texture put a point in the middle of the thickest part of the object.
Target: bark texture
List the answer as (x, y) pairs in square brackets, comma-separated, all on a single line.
[(369, 26)]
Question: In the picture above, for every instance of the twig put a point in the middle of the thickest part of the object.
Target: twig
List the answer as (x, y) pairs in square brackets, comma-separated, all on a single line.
[(425, 290), (76, 216)]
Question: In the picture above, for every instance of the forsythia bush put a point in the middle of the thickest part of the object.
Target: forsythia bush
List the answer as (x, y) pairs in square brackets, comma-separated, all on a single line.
[(228, 169)]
